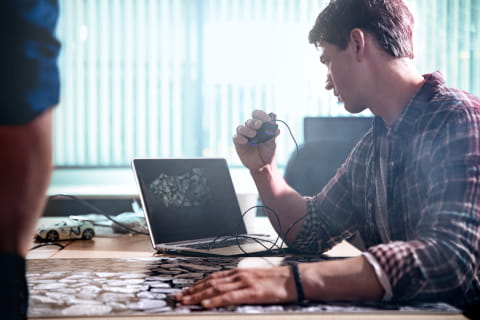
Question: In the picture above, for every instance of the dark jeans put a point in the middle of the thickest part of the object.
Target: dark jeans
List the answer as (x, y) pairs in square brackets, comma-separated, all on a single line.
[(13, 287)]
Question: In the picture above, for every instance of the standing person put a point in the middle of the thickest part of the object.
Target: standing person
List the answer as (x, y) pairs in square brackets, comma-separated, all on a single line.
[(29, 84), (410, 187)]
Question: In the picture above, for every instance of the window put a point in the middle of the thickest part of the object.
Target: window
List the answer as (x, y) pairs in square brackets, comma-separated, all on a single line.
[(175, 77)]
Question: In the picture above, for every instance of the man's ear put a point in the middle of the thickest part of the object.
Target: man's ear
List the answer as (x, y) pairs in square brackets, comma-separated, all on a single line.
[(357, 40)]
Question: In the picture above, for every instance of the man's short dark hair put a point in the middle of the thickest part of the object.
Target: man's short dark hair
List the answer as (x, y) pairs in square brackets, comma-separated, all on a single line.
[(390, 22)]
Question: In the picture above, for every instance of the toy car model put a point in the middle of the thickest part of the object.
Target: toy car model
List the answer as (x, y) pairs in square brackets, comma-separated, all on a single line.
[(66, 229)]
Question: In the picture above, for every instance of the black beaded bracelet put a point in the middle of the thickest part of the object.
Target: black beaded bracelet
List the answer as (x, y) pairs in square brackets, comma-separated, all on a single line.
[(298, 284)]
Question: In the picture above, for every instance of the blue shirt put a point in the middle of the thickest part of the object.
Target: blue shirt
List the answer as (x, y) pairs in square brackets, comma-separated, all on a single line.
[(29, 75)]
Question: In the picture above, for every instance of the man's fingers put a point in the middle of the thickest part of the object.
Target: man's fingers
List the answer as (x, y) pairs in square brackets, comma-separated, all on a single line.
[(216, 278), (239, 286), (246, 131), (249, 129), (197, 287), (240, 296), (239, 139), (260, 115), (209, 290), (253, 123)]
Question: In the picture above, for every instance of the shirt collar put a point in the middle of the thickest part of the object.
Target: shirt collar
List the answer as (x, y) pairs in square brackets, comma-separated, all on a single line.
[(404, 125)]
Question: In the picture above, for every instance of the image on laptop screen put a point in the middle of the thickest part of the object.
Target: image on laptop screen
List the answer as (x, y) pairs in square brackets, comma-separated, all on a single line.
[(189, 198)]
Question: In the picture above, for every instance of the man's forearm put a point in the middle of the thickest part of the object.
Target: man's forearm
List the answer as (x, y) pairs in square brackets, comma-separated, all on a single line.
[(287, 204), (347, 279)]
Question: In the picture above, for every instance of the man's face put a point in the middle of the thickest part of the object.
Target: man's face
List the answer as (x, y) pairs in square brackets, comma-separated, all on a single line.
[(342, 75)]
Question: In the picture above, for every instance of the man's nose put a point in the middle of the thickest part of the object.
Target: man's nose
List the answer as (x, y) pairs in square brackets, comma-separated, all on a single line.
[(329, 82)]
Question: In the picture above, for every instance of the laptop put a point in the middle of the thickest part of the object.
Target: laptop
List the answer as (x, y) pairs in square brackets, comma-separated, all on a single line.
[(191, 207)]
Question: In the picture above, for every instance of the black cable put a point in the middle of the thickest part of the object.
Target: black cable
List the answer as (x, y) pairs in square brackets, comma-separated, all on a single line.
[(261, 241), (279, 233), (291, 134), (275, 215), (240, 246), (257, 240), (99, 211), (227, 236), (290, 227), (48, 244)]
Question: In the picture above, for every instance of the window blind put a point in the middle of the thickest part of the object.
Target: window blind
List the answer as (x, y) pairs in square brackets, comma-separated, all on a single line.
[(175, 77)]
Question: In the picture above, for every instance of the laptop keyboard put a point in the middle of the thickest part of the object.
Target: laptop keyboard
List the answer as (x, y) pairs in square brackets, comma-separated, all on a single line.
[(222, 243)]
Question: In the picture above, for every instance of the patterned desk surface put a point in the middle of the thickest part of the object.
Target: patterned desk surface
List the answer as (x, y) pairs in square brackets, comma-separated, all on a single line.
[(96, 287), (118, 278)]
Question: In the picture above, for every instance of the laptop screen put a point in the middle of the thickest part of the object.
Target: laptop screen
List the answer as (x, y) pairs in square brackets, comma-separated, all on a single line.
[(188, 198)]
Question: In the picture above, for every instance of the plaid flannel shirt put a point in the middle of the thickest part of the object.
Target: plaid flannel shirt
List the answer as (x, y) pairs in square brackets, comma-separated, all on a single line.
[(433, 198)]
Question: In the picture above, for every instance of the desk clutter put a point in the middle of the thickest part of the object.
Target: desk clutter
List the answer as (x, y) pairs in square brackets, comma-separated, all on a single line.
[(85, 227), (145, 286)]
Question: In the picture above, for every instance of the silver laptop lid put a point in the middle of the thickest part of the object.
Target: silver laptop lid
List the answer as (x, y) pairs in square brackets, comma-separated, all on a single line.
[(187, 198)]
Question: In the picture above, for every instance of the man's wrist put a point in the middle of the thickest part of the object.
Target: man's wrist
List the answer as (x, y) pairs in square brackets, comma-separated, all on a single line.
[(298, 284), (262, 170), (256, 171), (380, 274)]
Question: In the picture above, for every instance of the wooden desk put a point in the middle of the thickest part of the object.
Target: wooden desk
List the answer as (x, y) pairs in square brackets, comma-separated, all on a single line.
[(127, 246)]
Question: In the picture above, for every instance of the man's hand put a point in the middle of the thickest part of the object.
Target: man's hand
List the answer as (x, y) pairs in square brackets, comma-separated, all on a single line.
[(254, 157), (242, 286), (350, 279)]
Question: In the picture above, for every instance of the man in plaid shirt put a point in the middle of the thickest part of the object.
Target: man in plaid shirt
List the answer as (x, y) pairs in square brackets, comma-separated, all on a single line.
[(410, 188)]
